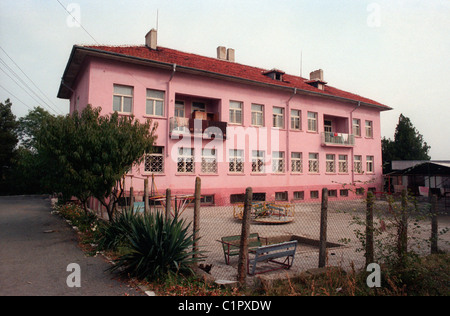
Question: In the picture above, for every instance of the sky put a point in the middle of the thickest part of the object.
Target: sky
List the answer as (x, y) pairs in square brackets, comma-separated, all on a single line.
[(396, 52)]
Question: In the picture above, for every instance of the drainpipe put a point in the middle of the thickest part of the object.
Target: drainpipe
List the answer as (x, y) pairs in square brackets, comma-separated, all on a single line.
[(288, 130), (352, 148), (174, 69)]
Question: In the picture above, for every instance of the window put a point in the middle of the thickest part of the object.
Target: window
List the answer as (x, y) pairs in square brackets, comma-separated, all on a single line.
[(369, 129), (281, 196), (314, 194), (356, 127), (235, 112), (369, 164), (209, 161), (312, 122), (357, 164), (343, 164), (155, 103), (154, 162), (236, 161), (258, 161), (257, 115), (185, 160), (296, 120), (332, 193), (296, 162), (207, 199), (328, 126), (278, 162), (313, 163), (179, 109), (359, 191), (123, 99), (330, 163), (343, 192), (198, 106), (278, 117), (299, 195)]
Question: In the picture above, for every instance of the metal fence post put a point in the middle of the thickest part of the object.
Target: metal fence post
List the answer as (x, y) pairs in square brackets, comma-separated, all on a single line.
[(323, 229), (243, 251)]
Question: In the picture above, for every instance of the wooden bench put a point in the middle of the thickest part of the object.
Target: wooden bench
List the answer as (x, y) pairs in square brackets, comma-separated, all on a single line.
[(269, 253), (231, 245)]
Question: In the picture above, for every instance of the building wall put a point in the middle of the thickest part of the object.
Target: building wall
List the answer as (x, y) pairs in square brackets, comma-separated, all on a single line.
[(95, 87)]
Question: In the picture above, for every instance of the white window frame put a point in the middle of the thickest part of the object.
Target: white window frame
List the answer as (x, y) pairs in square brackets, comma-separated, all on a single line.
[(370, 164), (153, 101), (123, 97), (236, 112), (330, 163), (343, 164), (296, 162), (278, 162), (369, 129), (278, 118), (258, 161), (313, 163), (312, 122), (186, 161), (236, 161), (257, 115), (296, 120), (209, 161), (357, 127), (357, 164)]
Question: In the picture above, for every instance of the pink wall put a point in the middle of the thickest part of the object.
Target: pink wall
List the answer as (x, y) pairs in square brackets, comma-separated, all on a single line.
[(95, 86)]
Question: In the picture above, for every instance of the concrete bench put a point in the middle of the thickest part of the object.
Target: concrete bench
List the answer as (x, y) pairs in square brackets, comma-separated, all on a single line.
[(269, 253)]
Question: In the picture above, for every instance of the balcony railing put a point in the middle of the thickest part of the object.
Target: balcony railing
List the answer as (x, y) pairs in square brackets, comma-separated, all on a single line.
[(337, 139), (180, 125)]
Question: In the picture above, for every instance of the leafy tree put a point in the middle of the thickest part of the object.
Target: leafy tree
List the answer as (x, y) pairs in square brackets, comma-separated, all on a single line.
[(8, 141), (408, 144), (87, 154)]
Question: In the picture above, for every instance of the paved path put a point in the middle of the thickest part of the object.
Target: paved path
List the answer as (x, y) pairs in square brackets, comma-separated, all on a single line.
[(34, 262)]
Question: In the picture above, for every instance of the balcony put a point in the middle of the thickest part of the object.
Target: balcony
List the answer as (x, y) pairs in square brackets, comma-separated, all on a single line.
[(198, 128), (338, 139)]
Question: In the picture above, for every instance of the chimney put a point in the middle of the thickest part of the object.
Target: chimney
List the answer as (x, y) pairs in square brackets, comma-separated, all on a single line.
[(316, 75), (316, 79), (230, 55), (222, 53), (151, 39)]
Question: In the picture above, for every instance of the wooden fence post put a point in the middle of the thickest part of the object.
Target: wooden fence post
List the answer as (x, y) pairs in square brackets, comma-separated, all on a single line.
[(402, 243), (323, 228), (369, 229), (434, 226), (168, 203), (245, 233), (197, 198)]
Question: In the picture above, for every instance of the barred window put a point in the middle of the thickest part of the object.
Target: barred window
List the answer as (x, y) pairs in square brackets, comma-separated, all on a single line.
[(299, 195), (154, 162), (296, 162), (330, 163), (313, 163), (123, 99), (236, 161), (185, 160), (258, 161), (257, 115), (278, 162), (209, 161), (312, 121), (155, 103), (357, 164), (343, 164), (278, 117)]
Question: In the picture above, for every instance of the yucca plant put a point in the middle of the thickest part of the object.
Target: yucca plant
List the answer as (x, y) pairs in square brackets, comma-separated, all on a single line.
[(157, 247), (114, 233)]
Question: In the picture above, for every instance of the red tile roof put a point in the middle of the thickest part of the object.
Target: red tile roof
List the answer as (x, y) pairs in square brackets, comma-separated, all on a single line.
[(226, 68)]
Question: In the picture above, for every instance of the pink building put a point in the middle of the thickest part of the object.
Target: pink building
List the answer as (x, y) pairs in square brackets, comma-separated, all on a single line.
[(233, 125)]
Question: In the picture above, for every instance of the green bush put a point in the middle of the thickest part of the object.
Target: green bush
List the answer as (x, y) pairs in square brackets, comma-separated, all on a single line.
[(156, 247), (114, 233)]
